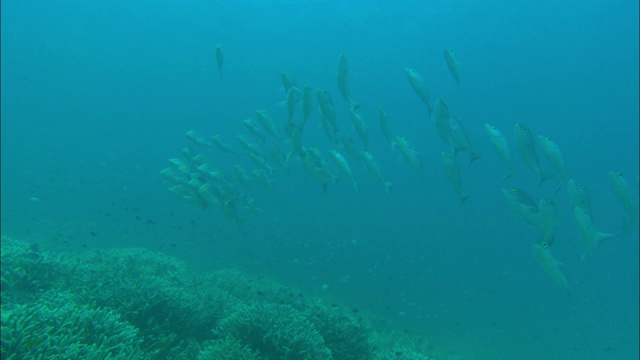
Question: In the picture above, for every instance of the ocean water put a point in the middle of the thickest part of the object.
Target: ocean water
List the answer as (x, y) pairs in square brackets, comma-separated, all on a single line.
[(98, 95)]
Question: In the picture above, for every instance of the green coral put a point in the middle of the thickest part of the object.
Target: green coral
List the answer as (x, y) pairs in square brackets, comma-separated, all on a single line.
[(343, 335), (276, 332), (56, 327), (228, 349), (135, 303)]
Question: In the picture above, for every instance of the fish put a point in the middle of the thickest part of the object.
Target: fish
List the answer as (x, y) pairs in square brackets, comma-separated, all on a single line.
[(328, 111), (343, 74), (360, 125), (343, 165), (287, 81), (501, 146), (263, 179), (188, 195), (217, 141), (452, 170), (442, 120), (459, 140), (181, 166), (219, 59), (230, 209), (591, 235), (292, 101), (248, 145), (254, 129), (267, 123), (307, 103), (623, 193), (328, 129), (260, 160), (278, 159), (548, 218), (211, 173), (523, 205), (542, 253), (350, 147), (452, 64), (210, 194), (411, 156), (384, 124), (579, 196), (174, 176), (554, 155), (196, 138), (241, 175), (374, 170), (419, 87), (527, 151), (296, 141), (314, 164)]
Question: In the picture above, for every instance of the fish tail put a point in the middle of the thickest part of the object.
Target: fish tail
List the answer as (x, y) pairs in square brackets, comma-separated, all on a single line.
[(388, 186), (473, 156), (508, 176), (601, 236), (463, 198)]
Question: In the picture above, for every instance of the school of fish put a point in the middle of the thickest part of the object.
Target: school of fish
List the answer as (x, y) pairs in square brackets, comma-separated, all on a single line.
[(199, 182)]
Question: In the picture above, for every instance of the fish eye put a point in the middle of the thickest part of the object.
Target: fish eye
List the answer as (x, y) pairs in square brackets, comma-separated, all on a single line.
[(545, 244), (514, 191)]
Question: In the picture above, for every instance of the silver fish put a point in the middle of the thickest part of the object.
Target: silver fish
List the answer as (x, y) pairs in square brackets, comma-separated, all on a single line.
[(501, 146), (523, 205), (591, 235), (459, 140), (527, 151), (343, 165), (343, 74), (384, 124), (267, 123), (623, 193), (253, 129), (548, 218), (442, 120), (307, 103), (217, 141), (554, 155), (452, 170), (579, 196), (551, 266), (219, 59), (419, 87), (452, 64), (411, 156), (196, 138), (374, 169), (360, 125)]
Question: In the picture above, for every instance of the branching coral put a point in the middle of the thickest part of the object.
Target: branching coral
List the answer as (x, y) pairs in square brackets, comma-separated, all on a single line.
[(276, 332), (56, 327)]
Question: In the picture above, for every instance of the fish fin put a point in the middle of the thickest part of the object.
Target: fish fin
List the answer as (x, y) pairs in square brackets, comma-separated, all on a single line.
[(601, 236), (473, 156), (560, 186), (544, 176), (508, 176), (388, 186)]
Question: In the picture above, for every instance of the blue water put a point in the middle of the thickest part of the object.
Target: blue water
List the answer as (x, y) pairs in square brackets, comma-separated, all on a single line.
[(96, 96)]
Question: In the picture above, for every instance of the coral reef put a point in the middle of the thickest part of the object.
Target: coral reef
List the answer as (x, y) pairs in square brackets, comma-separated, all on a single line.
[(139, 304)]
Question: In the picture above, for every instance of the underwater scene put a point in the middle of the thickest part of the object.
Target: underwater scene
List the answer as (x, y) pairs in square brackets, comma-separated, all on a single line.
[(320, 179)]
